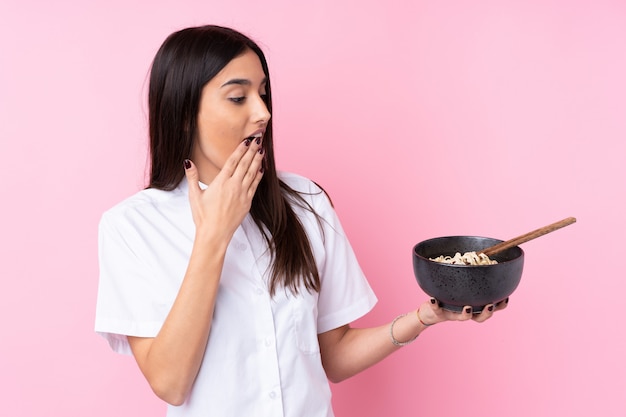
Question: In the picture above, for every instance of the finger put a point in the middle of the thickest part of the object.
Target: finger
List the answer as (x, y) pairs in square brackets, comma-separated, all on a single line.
[(465, 314), (485, 314), (232, 163), (251, 174), (255, 183), (191, 172), (502, 304), (246, 168)]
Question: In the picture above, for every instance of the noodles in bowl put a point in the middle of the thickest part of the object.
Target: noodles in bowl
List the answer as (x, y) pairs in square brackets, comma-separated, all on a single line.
[(468, 258)]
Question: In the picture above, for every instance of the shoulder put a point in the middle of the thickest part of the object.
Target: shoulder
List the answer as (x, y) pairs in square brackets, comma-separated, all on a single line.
[(145, 204), (141, 200), (298, 182), (310, 196), (303, 185)]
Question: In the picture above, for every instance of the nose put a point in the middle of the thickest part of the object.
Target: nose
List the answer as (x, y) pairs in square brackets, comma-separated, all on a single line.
[(260, 113)]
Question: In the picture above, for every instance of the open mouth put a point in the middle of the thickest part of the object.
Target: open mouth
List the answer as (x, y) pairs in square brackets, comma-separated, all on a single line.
[(255, 136)]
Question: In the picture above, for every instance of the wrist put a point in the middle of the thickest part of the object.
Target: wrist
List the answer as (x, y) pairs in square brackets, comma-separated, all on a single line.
[(421, 321), (212, 238), (395, 341), (409, 327)]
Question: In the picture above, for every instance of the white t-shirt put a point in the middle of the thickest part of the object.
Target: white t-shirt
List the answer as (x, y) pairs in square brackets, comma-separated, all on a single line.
[(262, 357)]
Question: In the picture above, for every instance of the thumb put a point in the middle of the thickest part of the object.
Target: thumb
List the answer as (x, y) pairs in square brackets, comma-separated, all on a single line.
[(437, 310), (191, 172), (430, 312), (435, 305)]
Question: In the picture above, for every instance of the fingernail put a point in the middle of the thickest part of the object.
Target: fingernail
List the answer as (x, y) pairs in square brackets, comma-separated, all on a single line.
[(258, 140), (433, 301), (490, 308), (187, 163), (468, 310), (261, 151), (247, 141)]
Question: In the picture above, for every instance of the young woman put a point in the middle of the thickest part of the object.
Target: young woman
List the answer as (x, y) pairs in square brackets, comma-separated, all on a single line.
[(231, 283)]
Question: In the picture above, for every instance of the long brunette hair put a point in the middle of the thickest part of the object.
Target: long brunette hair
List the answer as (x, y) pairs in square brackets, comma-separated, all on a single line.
[(186, 61)]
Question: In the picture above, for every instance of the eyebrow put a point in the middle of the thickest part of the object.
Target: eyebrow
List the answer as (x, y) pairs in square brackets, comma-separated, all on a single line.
[(241, 81)]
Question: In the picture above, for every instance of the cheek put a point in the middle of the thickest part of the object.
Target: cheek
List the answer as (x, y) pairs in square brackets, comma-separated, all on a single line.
[(215, 141), (213, 152)]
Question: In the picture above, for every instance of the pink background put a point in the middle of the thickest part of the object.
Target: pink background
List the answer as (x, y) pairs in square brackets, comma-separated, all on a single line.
[(421, 118)]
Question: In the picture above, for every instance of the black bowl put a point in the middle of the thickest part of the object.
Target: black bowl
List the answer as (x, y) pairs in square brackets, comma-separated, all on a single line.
[(456, 286)]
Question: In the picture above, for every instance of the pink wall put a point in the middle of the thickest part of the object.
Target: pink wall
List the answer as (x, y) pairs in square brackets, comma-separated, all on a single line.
[(421, 118)]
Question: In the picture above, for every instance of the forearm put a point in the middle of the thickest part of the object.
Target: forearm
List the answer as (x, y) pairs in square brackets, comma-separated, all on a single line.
[(171, 360), (348, 351)]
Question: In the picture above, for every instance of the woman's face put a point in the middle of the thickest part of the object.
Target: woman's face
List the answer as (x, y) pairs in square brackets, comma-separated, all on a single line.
[(232, 108)]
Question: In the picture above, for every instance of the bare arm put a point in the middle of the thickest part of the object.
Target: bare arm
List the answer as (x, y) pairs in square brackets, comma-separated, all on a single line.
[(171, 360), (347, 351)]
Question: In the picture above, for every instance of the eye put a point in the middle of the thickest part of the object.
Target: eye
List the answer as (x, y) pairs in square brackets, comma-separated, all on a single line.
[(237, 100)]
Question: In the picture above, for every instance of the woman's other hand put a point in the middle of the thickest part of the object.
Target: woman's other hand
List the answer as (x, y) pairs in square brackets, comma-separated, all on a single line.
[(432, 313)]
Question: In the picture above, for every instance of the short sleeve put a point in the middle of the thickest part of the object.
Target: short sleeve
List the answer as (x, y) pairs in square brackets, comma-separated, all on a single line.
[(345, 294), (128, 302)]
